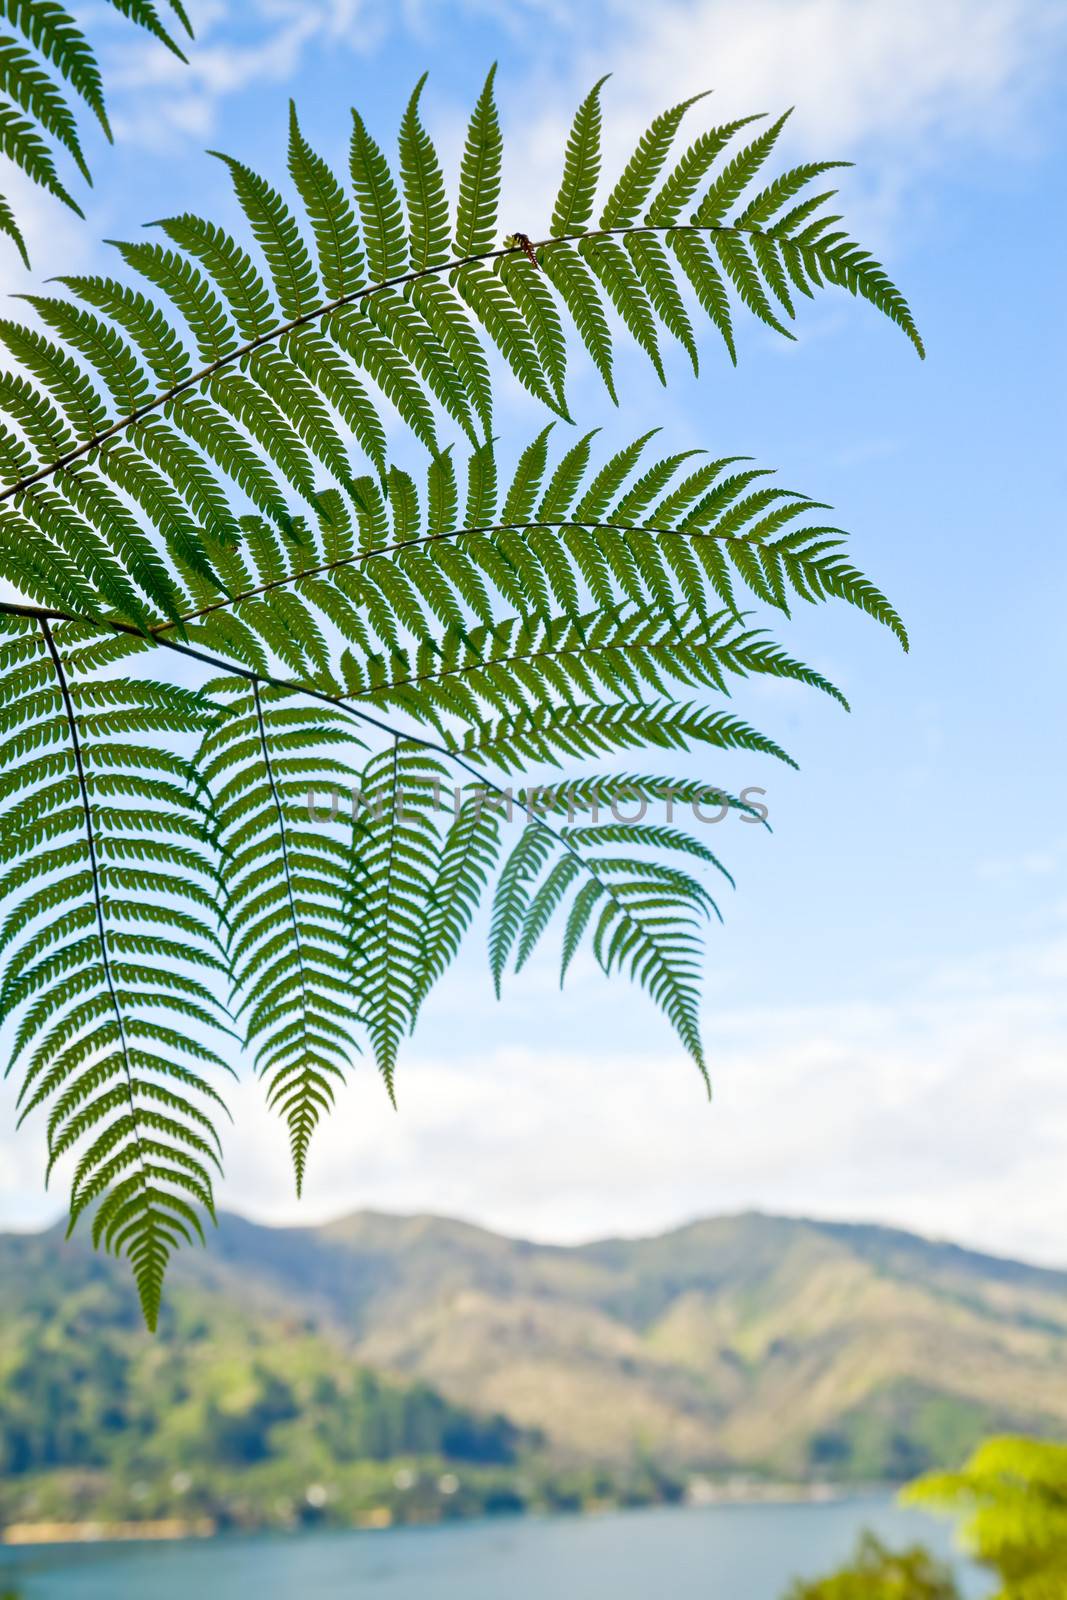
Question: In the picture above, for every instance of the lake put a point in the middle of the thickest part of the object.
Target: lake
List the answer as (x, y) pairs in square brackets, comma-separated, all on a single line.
[(721, 1552)]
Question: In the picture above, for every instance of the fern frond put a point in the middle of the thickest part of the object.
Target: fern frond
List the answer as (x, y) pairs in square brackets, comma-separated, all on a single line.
[(11, 229), (467, 855), (194, 460), (395, 865), (424, 191), (479, 178), (284, 879), (102, 948), (644, 167), (409, 890), (545, 542), (581, 168), (361, 268), (647, 913)]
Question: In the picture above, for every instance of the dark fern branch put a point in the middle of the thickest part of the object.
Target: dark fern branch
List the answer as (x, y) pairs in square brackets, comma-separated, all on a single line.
[(277, 334)]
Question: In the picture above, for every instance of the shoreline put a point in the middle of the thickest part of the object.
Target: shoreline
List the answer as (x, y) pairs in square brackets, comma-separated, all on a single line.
[(701, 1494)]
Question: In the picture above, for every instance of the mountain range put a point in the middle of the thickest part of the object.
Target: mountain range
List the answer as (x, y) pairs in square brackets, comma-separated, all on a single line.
[(750, 1344)]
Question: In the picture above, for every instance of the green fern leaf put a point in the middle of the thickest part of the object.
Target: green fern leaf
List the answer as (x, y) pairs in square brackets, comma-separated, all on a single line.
[(479, 178), (11, 229), (526, 286), (736, 176), (496, 311), (468, 854), (332, 219), (396, 854), (36, 104), (581, 168), (247, 297), (512, 896), (379, 206), (130, 1098), (34, 92), (578, 291), (26, 149), (285, 877), (614, 269), (275, 229), (685, 178), (424, 190)]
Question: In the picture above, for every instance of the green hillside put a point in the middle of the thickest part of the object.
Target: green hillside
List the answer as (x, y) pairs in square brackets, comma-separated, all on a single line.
[(328, 1371)]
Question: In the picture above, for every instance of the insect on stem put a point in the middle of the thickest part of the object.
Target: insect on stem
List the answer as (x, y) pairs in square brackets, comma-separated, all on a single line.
[(522, 241)]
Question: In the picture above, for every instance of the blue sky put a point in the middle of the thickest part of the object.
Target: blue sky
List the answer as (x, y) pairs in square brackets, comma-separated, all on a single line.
[(885, 1018)]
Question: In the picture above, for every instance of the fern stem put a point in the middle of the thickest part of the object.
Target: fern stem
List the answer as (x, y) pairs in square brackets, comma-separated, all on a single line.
[(94, 872), (427, 539), (390, 872), (294, 917), (292, 686), (354, 297)]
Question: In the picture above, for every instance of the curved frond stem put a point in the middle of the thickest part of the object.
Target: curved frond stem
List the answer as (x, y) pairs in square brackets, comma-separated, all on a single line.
[(356, 296), (487, 530), (276, 798), (94, 871), (293, 686), (294, 916)]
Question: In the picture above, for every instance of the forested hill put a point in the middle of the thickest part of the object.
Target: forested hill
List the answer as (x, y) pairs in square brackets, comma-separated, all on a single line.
[(296, 1357)]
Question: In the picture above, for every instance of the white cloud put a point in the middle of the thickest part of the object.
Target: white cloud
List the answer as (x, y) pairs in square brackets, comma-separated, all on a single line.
[(911, 71), (912, 76), (940, 1109), (901, 87), (943, 1112)]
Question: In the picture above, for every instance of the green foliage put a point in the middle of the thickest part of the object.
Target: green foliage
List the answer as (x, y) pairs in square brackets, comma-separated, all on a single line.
[(643, 547), (1012, 1493), (34, 106), (185, 467), (876, 1573)]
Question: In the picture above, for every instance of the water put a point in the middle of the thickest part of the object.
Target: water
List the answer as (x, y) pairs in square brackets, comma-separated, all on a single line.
[(710, 1553)]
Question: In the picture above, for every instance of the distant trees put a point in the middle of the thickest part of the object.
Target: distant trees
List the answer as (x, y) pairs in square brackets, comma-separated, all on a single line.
[(221, 1393)]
